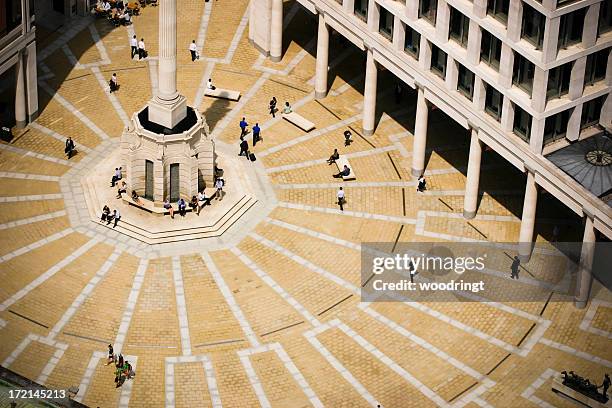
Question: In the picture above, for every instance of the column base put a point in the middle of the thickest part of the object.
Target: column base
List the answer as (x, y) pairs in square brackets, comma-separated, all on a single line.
[(320, 94), (417, 172), (580, 304), (469, 214), (167, 113), (259, 48), (276, 58), (20, 124), (524, 251), (368, 132), (33, 116)]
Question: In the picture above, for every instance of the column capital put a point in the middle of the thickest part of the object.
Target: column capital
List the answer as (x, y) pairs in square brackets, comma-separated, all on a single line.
[(367, 45), (529, 169), (473, 126), (588, 214), (320, 11)]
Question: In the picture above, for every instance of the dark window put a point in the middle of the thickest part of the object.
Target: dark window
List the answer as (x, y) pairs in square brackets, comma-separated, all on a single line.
[(361, 9), (385, 26), (490, 49), (605, 17), (533, 26), (591, 112), (498, 9), (459, 27), (558, 81), (555, 127), (438, 61), (523, 73), (522, 123), (412, 42), (465, 81), (570, 28), (427, 10), (493, 102), (10, 16), (596, 64)]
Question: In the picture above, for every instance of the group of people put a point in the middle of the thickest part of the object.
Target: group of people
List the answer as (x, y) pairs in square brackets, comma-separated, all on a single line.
[(123, 368), (115, 216), (117, 13), (198, 202)]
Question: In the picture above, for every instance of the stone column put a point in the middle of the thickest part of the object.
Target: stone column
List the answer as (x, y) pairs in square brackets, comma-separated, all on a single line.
[(322, 59), (20, 98), (31, 81), (420, 134), (584, 280), (369, 94), (528, 218), (470, 201), (276, 31)]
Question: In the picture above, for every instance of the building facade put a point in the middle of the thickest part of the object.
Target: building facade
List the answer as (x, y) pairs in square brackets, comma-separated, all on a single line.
[(18, 53), (527, 77)]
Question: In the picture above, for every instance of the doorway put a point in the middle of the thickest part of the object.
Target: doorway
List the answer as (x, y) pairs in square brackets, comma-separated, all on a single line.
[(148, 179), (174, 182)]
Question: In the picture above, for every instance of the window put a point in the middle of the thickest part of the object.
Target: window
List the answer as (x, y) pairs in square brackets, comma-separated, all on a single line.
[(498, 9), (10, 16), (361, 9), (522, 75), (591, 112), (555, 127), (596, 64), (465, 82), (570, 28), (493, 102), (490, 49), (522, 123), (385, 25), (438, 61), (459, 27), (558, 81), (427, 10), (533, 26), (605, 17), (412, 42)]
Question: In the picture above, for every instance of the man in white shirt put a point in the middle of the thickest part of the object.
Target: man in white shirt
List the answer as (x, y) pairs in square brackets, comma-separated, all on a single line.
[(134, 45), (126, 18), (340, 196), (209, 85), (193, 49), (107, 6), (202, 201), (142, 52)]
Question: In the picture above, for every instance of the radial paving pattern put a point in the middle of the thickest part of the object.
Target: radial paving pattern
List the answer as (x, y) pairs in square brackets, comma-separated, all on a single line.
[(272, 316)]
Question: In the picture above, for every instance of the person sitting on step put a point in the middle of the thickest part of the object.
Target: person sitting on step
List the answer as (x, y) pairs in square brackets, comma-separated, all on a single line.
[(335, 156)]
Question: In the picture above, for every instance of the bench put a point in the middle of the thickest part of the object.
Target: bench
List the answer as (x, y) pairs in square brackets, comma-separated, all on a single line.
[(299, 121), (340, 163), (223, 93), (149, 206)]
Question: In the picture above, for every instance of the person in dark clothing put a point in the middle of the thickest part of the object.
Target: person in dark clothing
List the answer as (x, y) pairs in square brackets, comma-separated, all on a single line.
[(244, 148), (516, 263), (343, 173), (335, 156), (69, 147), (273, 106), (347, 138), (256, 131), (182, 207), (243, 127), (421, 184), (105, 215)]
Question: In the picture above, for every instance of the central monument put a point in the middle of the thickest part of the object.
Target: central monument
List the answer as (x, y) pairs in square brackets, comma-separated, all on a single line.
[(167, 151)]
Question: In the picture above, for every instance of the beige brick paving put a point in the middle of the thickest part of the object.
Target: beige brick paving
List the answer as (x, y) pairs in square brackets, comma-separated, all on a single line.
[(33, 359), (102, 392), (190, 385), (603, 319), (223, 16), (14, 162), (39, 142), (14, 187), (148, 388), (71, 366), (17, 211), (234, 386), (23, 235)]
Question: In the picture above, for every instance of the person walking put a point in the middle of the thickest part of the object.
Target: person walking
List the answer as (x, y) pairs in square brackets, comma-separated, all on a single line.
[(256, 131), (142, 50), (347, 138), (341, 199), (110, 353), (219, 185), (244, 148), (243, 127), (193, 49), (133, 46), (273, 106), (69, 147), (209, 85), (113, 83), (515, 268)]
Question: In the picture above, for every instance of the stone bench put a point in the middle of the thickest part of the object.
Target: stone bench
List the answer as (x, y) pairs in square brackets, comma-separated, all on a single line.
[(340, 163), (149, 206), (223, 94), (299, 121)]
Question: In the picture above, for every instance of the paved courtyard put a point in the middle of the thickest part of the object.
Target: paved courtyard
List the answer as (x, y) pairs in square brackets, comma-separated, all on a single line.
[(269, 314)]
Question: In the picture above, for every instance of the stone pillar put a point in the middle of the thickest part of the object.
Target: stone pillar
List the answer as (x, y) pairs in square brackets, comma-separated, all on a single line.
[(591, 19), (515, 19), (538, 94), (276, 31), (20, 98), (369, 94), (322, 59), (31, 82), (584, 280), (528, 218), (470, 201), (252, 21), (551, 39), (420, 134)]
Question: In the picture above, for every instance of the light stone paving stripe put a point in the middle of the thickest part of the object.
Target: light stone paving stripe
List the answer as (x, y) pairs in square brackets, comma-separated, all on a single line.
[(30, 198), (130, 305), (333, 361), (28, 176), (346, 213), (358, 184), (153, 66), (231, 301), (170, 389), (255, 381), (2, 324), (209, 372), (126, 388), (57, 136), (29, 153), (111, 97), (32, 220), (462, 192), (51, 364), (296, 105), (350, 84), (75, 27), (89, 372), (223, 123), (211, 380), (71, 58), (276, 287), (363, 153), (587, 320), (481, 402), (292, 64), (179, 290), (203, 27), (308, 136), (529, 393), (203, 83), (35, 245), (18, 350), (229, 55), (57, 355), (578, 353), (48, 274), (55, 95), (99, 45)]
